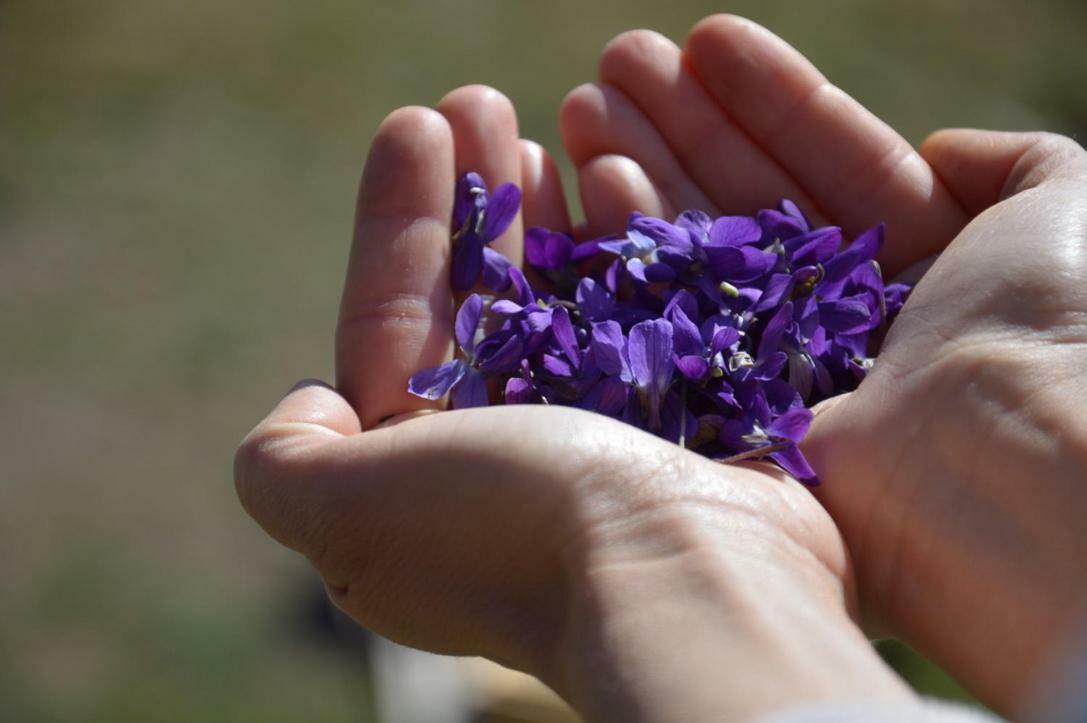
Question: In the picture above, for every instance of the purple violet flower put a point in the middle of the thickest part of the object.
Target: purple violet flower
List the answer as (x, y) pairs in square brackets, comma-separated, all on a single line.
[(478, 219), (649, 349), (459, 375), (778, 441), (714, 333)]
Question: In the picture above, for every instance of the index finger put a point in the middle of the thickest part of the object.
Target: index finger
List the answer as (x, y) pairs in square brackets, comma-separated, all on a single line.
[(396, 315)]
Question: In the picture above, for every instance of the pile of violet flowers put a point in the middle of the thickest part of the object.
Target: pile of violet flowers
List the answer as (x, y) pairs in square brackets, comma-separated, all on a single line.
[(717, 334)]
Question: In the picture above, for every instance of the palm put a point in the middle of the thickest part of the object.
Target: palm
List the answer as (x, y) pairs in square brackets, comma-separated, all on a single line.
[(452, 531), (540, 487), (974, 375), (983, 371)]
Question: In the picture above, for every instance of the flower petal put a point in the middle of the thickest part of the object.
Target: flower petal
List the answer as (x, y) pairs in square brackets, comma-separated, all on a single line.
[(467, 261), (802, 374), (792, 460), (781, 396), (547, 249), (584, 250), (768, 368), (693, 367), (773, 336), (501, 210), (662, 233), (471, 392), (558, 367), (638, 244), (777, 287), (780, 226), (564, 335), (467, 322), (636, 268), (519, 391), (610, 396), (845, 316), (723, 338), (500, 352), (791, 209), (505, 307), (525, 295), (687, 338), (496, 270), (739, 264), (649, 348), (867, 245), (594, 300), (609, 349), (658, 272), (470, 196), (815, 247), (792, 425), (436, 382), (734, 231), (697, 223)]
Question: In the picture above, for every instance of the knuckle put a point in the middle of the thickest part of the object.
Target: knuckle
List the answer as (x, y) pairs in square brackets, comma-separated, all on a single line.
[(249, 459), (1049, 155), (267, 473), (1057, 145)]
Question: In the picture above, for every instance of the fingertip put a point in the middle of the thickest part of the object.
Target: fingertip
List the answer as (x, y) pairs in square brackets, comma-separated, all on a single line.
[(412, 145), (829, 439), (478, 114), (485, 139), (472, 98), (725, 27), (982, 167), (414, 121), (544, 203), (627, 50), (533, 155), (315, 402), (576, 112), (714, 30), (412, 132), (729, 46), (613, 186), (936, 141), (280, 468), (311, 411)]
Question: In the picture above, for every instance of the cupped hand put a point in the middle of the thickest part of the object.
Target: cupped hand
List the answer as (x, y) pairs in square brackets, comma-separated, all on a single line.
[(958, 469), (955, 471), (508, 532)]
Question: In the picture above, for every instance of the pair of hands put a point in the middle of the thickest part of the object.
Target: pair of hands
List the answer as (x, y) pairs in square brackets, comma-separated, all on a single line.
[(627, 572)]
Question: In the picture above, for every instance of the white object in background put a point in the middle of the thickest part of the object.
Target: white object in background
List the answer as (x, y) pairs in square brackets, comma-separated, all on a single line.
[(411, 686)]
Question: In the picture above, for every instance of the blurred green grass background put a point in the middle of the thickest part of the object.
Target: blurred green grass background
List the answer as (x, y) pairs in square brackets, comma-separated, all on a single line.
[(176, 194)]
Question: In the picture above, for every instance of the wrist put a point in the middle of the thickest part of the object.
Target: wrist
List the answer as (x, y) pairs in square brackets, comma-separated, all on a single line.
[(967, 515), (696, 614)]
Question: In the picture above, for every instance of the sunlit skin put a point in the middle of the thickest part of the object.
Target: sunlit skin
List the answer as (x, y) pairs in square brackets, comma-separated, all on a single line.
[(557, 541), (628, 573), (956, 472)]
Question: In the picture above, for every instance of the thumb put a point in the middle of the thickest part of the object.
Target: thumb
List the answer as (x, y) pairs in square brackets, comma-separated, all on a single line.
[(830, 429), (843, 447), (981, 168), (278, 468)]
